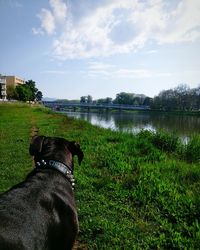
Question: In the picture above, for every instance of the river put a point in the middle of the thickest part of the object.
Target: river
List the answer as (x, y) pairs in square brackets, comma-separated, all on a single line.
[(183, 125)]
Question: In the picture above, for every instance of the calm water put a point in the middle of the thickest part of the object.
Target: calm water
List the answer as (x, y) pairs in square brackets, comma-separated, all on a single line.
[(184, 126)]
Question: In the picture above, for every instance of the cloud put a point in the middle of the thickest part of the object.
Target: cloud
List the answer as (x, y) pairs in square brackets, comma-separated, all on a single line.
[(98, 69), (91, 29), (100, 66), (60, 72), (50, 19), (47, 21), (153, 51), (59, 10), (182, 24)]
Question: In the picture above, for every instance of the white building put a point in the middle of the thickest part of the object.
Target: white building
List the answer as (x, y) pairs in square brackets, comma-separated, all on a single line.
[(3, 87), (6, 82)]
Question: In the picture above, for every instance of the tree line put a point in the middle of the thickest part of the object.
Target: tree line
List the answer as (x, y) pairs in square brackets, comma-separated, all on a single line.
[(121, 98), (24, 92), (181, 98)]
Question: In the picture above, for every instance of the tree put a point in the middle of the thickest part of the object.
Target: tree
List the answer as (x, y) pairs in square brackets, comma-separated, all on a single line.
[(181, 92), (106, 100), (86, 99), (39, 96), (11, 91), (89, 99), (147, 101), (83, 99), (124, 98), (23, 93), (130, 99), (27, 92), (32, 87), (180, 98)]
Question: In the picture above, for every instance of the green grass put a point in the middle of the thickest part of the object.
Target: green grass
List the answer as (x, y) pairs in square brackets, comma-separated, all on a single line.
[(132, 191)]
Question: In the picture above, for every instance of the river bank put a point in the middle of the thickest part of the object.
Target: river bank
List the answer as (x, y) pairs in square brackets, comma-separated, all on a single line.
[(132, 191), (148, 111), (182, 125)]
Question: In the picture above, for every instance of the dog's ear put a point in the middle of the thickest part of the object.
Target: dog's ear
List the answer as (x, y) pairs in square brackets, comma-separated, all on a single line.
[(75, 149), (36, 145)]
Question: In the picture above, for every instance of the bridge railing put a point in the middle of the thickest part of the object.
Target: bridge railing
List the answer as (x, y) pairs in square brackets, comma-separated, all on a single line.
[(94, 105)]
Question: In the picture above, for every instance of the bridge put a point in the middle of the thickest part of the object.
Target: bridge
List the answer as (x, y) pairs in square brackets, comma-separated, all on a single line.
[(72, 105)]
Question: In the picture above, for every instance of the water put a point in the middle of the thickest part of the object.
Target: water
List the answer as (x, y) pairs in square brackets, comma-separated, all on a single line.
[(183, 125)]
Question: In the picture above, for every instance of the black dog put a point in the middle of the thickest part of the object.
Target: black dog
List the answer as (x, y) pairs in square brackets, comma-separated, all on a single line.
[(40, 212)]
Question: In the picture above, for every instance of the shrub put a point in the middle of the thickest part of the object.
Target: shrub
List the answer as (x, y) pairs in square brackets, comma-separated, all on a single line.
[(145, 134), (192, 150), (162, 140), (147, 152), (166, 142)]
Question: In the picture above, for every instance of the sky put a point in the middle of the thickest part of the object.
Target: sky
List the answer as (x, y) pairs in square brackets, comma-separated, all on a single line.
[(74, 48)]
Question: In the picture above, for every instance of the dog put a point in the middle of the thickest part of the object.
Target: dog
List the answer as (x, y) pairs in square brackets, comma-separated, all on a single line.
[(40, 213)]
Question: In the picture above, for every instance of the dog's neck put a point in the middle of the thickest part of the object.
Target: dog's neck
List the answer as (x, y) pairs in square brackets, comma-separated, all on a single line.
[(62, 168)]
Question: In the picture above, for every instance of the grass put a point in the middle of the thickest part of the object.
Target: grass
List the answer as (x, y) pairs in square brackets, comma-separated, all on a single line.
[(132, 191)]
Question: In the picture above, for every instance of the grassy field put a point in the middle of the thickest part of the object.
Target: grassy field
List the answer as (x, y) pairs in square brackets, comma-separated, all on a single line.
[(132, 191)]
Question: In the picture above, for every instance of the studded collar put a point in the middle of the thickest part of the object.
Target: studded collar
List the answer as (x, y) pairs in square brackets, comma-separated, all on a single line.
[(62, 168)]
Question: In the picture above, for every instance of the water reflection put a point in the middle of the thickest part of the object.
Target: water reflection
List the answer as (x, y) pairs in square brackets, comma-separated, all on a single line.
[(184, 126)]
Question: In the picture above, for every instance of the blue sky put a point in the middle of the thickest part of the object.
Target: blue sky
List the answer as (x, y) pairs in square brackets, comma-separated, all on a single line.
[(72, 48)]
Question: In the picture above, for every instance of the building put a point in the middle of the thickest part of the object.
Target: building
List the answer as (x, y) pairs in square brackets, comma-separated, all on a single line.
[(3, 87), (6, 82), (14, 81)]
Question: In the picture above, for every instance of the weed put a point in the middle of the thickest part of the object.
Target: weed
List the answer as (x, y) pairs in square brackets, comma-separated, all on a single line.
[(192, 149)]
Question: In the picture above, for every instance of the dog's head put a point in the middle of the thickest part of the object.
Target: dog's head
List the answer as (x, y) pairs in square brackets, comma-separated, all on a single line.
[(54, 148)]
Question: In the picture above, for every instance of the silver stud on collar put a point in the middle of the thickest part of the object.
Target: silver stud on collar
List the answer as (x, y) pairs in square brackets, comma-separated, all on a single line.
[(64, 169), (44, 162)]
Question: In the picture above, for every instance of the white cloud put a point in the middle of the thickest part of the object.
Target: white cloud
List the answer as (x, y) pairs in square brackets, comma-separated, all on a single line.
[(50, 19), (119, 26), (47, 22), (182, 24), (37, 31), (60, 72), (59, 9), (100, 66), (153, 51), (98, 69)]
